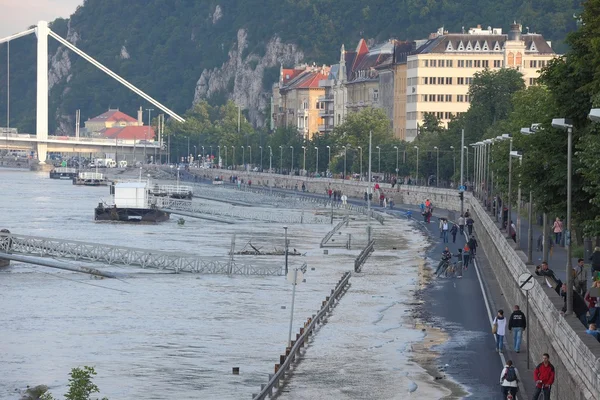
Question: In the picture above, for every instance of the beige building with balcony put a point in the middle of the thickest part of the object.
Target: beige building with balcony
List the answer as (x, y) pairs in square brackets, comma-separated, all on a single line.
[(298, 99), (441, 69)]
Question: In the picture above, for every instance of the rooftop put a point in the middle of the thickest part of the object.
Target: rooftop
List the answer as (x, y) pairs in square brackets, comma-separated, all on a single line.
[(113, 116)]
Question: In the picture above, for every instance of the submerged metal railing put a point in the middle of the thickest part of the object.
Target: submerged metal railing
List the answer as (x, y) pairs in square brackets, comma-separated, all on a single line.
[(234, 213), (126, 256), (336, 228), (301, 339), (363, 256)]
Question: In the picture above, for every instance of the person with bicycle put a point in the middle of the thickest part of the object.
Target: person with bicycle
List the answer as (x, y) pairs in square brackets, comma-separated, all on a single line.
[(509, 380), (544, 378), (446, 257), (458, 265)]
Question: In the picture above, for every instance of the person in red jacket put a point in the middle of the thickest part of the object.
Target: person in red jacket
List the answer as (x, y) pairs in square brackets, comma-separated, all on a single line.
[(544, 377)]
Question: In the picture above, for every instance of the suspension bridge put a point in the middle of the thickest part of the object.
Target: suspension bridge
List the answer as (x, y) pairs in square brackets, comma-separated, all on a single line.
[(42, 141)]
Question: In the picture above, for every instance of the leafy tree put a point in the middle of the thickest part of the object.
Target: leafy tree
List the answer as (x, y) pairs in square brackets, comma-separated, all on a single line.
[(80, 385)]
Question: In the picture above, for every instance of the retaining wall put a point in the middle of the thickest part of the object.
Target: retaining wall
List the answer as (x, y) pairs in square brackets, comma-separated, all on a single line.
[(573, 352)]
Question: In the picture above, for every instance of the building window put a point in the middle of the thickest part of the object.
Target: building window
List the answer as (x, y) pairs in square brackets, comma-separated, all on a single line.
[(497, 63), (426, 63), (424, 98), (441, 63), (448, 98), (305, 105), (477, 63), (425, 80), (532, 81), (433, 63), (533, 64), (440, 115), (460, 98), (467, 98), (449, 81), (485, 63), (461, 63), (449, 63), (411, 115), (440, 98), (460, 81), (431, 98), (339, 119), (447, 115), (469, 80), (376, 95), (440, 80), (469, 64)]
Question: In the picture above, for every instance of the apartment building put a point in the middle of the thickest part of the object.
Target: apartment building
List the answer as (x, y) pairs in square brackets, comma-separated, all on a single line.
[(297, 98), (441, 69)]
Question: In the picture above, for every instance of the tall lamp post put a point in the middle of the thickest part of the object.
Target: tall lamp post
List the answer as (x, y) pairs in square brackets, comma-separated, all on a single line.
[(566, 124), (249, 156), (329, 159), (317, 162), (417, 175), (219, 164), (304, 162), (345, 153), (146, 135), (203, 160), (226, 165), (397, 170), (509, 136), (270, 159), (437, 167), (292, 169), (243, 157), (195, 152), (466, 149), (517, 154), (261, 158), (281, 159), (360, 151), (454, 158), (528, 131), (233, 157), (378, 159)]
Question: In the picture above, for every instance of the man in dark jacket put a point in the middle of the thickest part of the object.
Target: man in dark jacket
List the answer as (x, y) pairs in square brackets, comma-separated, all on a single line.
[(470, 223), (473, 245), (518, 322), (595, 259), (543, 375)]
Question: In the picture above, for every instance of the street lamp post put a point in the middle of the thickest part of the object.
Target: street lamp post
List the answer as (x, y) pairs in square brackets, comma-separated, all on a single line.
[(378, 159), (292, 169), (188, 151), (329, 159), (437, 167), (397, 170), (210, 157), (454, 157), (304, 162), (509, 182), (219, 164), (467, 151), (261, 159), (146, 135), (360, 150), (203, 159), (226, 165), (417, 175), (249, 156), (518, 230), (345, 154), (563, 124), (195, 151), (281, 159), (243, 157), (233, 157), (317, 164)]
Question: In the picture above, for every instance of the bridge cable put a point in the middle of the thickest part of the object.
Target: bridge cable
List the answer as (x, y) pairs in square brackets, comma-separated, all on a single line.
[(76, 281)]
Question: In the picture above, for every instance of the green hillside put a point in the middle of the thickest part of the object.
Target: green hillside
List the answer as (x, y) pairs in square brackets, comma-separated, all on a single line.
[(170, 42)]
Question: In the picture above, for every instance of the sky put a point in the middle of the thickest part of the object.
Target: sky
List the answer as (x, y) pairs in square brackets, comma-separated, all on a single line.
[(18, 15)]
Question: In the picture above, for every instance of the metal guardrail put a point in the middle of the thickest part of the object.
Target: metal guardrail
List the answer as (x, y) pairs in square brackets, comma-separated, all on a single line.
[(174, 205), (126, 256), (301, 339), (363, 256), (333, 231)]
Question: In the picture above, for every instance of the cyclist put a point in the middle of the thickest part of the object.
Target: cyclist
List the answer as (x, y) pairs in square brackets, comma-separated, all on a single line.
[(446, 257), (508, 380)]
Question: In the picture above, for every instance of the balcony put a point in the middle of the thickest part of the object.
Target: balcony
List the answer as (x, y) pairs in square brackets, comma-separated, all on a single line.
[(326, 98), (325, 128), (325, 113)]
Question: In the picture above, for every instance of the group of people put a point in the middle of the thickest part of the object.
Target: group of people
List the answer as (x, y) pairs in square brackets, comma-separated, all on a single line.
[(544, 372), (337, 195)]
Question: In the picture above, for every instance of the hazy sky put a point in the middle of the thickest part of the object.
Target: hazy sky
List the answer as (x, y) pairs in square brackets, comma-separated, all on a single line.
[(18, 15)]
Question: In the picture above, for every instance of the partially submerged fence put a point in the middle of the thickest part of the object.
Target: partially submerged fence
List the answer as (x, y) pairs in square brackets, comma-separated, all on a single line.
[(336, 228), (285, 361), (362, 257)]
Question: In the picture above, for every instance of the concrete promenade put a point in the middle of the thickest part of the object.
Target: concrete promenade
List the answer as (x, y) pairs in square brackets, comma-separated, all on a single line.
[(573, 353)]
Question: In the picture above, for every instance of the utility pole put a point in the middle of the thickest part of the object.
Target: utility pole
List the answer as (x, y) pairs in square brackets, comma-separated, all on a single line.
[(146, 131), (462, 182), (369, 191)]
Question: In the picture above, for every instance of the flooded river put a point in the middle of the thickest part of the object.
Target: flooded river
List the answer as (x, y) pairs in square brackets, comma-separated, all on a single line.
[(163, 336)]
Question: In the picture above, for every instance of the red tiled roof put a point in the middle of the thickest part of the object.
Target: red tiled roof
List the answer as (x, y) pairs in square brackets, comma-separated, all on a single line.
[(113, 116), (312, 80), (130, 133), (290, 73), (361, 51)]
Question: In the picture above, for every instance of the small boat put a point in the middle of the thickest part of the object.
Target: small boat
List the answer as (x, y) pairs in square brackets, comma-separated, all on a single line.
[(90, 179), (132, 203), (63, 173)]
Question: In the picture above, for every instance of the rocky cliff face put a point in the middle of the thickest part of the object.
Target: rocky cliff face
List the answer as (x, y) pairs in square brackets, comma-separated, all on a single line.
[(242, 79), (59, 72)]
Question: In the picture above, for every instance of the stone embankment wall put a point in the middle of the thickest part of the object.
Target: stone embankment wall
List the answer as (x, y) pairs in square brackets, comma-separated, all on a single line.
[(573, 353)]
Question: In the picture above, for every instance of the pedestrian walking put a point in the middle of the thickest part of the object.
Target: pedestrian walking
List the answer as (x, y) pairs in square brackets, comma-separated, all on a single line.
[(453, 232), (470, 223), (509, 380), (466, 255), (473, 245), (518, 322), (513, 231), (461, 224), (440, 224), (557, 228), (543, 375), (499, 329), (580, 277), (592, 301), (445, 230), (595, 259)]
